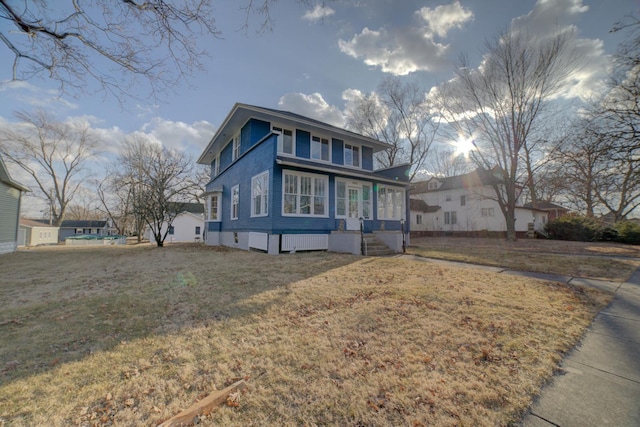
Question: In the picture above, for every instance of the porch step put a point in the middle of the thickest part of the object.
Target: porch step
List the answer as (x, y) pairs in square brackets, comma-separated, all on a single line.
[(374, 247)]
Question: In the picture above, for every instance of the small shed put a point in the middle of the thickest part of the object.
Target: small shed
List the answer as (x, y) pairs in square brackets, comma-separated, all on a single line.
[(34, 233)]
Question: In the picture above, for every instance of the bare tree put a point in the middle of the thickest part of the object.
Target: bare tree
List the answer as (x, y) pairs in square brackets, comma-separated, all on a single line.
[(116, 44), (447, 162), (500, 104), (158, 181), (53, 153), (397, 114)]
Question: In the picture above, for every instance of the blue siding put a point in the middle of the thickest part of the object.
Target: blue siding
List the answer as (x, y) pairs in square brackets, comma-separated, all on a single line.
[(259, 159), (337, 155), (367, 158), (303, 144), (398, 173), (226, 156), (253, 132)]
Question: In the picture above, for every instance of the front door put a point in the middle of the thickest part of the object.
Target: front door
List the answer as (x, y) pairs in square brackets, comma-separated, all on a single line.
[(353, 208)]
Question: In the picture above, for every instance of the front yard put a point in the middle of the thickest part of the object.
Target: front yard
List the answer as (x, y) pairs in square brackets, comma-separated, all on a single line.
[(132, 335)]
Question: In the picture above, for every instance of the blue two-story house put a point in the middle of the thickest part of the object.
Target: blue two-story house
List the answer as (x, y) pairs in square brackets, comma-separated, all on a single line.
[(283, 182)]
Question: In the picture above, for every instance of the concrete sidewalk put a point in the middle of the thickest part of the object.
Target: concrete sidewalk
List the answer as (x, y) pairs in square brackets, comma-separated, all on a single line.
[(599, 383), (599, 380)]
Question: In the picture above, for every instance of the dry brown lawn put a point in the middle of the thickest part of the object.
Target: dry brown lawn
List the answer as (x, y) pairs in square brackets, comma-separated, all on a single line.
[(597, 260), (131, 335)]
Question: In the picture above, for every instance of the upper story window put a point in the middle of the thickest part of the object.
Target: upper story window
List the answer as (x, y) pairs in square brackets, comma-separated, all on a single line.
[(447, 197), (463, 200), (236, 147), (215, 166), (320, 148), (352, 155), (433, 185), (285, 140)]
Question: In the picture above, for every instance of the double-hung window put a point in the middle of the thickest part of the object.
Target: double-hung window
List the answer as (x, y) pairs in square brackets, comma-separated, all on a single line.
[(235, 202), (305, 194), (286, 143), (451, 218), (488, 212), (390, 203), (351, 155), (320, 148), (260, 194), (214, 207), (236, 147)]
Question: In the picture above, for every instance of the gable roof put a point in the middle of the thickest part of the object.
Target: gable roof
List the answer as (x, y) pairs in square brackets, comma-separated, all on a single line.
[(194, 208), (82, 223), (422, 206), (6, 178), (477, 178), (240, 113), (35, 223), (547, 206)]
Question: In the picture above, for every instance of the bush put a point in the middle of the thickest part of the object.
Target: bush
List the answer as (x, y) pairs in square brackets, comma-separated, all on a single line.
[(628, 232), (575, 227)]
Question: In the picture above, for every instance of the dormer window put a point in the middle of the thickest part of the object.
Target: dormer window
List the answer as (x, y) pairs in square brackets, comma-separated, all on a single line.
[(351, 155), (433, 185), (285, 140)]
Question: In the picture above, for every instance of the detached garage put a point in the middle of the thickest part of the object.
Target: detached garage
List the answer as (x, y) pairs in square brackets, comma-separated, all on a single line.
[(34, 233)]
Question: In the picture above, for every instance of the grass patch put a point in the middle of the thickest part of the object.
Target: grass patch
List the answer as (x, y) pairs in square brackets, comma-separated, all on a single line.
[(130, 336), (613, 262)]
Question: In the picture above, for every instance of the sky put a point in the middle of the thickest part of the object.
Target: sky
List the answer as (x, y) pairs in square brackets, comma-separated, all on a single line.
[(318, 57)]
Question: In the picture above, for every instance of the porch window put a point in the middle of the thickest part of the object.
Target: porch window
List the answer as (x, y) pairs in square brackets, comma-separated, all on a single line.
[(345, 191), (320, 148), (285, 140), (214, 207), (390, 203), (305, 194), (260, 194), (235, 201)]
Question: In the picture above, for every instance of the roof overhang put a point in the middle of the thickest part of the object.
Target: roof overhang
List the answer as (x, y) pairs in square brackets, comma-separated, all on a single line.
[(338, 170), (241, 113)]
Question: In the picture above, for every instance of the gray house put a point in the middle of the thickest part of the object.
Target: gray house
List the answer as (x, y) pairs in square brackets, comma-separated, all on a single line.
[(10, 198), (72, 227)]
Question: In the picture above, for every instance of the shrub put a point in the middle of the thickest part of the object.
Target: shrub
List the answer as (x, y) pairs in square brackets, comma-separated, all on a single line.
[(575, 227), (628, 232)]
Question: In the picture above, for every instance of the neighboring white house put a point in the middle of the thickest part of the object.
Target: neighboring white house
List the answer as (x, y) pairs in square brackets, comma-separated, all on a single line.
[(466, 205), (187, 226), (34, 233)]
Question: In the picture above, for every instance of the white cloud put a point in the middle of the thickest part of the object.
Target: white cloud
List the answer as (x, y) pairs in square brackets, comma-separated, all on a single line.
[(313, 106), (445, 17), (317, 13), (401, 51), (191, 138)]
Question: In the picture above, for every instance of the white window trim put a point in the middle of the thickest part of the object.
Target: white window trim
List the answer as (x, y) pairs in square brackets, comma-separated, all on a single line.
[(344, 155), (235, 148), (360, 184), (219, 204), (293, 136), (235, 188), (385, 215), (329, 143), (264, 205), (313, 176)]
